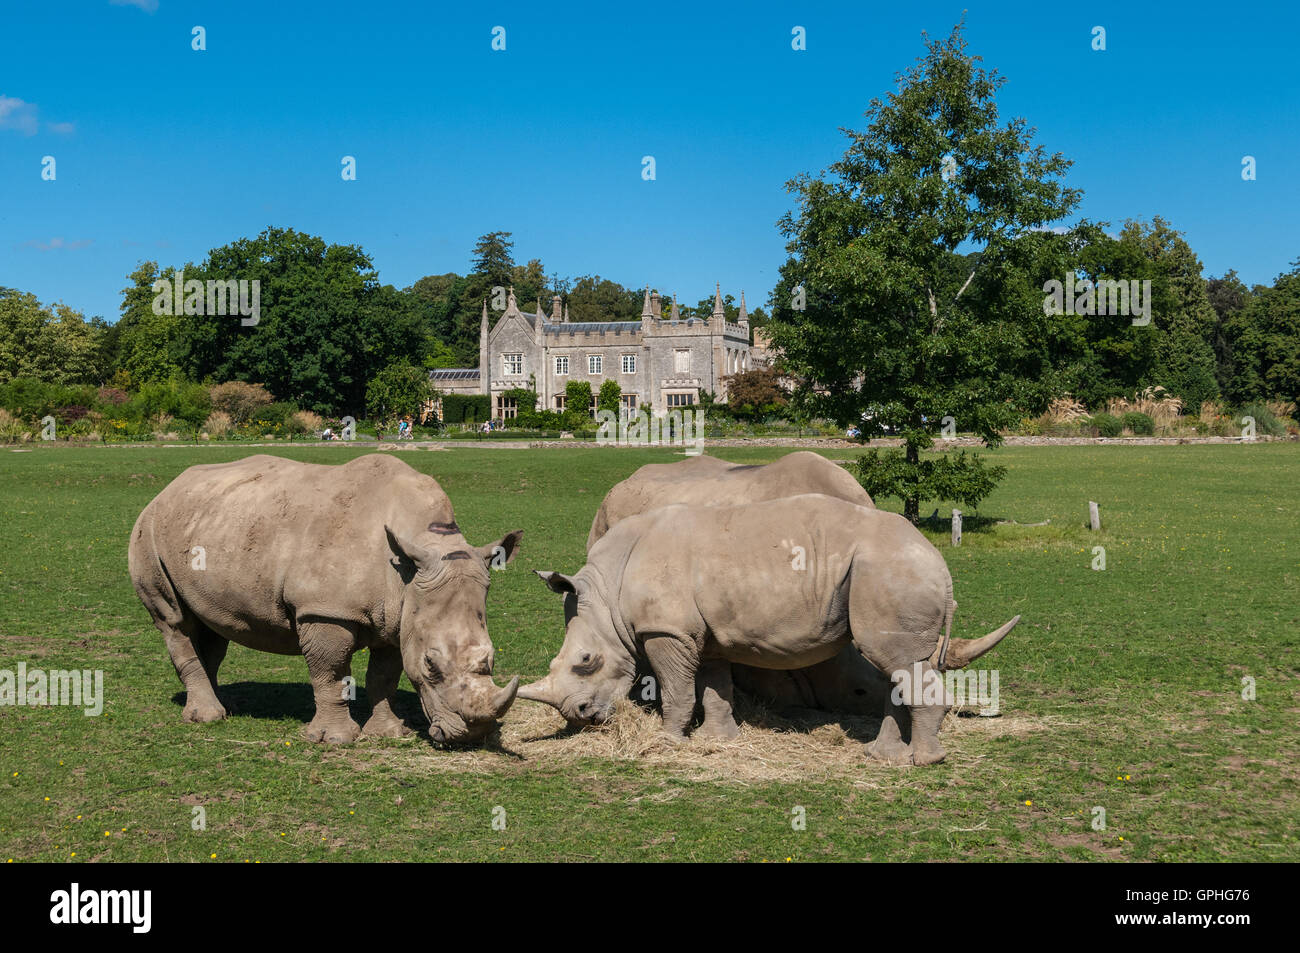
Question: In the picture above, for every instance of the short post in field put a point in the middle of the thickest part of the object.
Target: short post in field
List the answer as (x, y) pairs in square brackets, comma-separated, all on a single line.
[(956, 527), (1094, 515)]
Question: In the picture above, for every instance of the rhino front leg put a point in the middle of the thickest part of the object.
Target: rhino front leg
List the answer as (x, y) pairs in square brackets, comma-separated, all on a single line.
[(888, 745), (715, 695), (328, 648), (382, 675), (675, 663)]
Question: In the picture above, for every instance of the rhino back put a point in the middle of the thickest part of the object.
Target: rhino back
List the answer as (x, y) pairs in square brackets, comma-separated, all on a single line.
[(282, 539)]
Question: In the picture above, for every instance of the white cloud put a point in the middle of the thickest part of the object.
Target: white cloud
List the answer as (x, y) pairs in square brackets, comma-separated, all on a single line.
[(61, 244), (18, 115), (148, 6)]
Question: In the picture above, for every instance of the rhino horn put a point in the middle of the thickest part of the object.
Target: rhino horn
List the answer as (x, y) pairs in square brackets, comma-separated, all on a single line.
[(961, 652), (505, 698), (540, 691)]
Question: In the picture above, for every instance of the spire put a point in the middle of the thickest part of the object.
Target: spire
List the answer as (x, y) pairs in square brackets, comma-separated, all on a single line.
[(483, 363), (483, 323), (674, 314), (718, 310), (566, 314), (645, 309), (511, 303), (743, 317)]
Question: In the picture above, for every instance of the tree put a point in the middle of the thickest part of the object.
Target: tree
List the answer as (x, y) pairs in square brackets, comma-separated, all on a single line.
[(147, 342), (52, 344), (1181, 313), (577, 405), (327, 326), (1265, 341), (1228, 296), (877, 316), (610, 396), (399, 390), (758, 391)]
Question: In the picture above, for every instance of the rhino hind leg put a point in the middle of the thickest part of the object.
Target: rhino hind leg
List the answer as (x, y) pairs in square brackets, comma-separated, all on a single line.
[(328, 648), (196, 652), (715, 696), (382, 675)]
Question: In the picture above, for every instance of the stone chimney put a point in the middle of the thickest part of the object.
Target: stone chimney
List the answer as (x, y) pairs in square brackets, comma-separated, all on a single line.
[(557, 315), (656, 307)]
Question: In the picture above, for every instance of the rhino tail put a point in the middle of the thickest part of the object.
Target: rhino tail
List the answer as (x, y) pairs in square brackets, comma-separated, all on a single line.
[(958, 653)]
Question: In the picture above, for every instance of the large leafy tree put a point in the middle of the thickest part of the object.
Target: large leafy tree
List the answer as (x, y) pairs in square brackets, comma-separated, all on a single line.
[(1265, 341), (877, 313), (55, 345), (327, 325)]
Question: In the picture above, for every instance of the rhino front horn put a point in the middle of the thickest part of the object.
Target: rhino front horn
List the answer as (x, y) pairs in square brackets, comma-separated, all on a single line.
[(539, 691), (505, 698)]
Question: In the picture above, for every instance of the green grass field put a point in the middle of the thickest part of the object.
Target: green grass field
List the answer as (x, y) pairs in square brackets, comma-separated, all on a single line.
[(1121, 688)]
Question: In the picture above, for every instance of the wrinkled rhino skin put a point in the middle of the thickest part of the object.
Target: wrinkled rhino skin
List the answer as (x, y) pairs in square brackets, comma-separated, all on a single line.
[(322, 561), (818, 574), (845, 684)]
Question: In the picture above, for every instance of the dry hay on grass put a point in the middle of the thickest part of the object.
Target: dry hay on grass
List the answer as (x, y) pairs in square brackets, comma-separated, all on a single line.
[(808, 746)]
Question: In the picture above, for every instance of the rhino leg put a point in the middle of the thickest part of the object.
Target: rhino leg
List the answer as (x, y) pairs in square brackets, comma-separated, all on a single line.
[(888, 745), (926, 719), (382, 675), (197, 653), (675, 662), (715, 696), (328, 648)]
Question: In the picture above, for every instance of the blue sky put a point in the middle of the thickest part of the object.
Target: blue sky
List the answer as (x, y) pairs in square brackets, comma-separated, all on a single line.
[(164, 153)]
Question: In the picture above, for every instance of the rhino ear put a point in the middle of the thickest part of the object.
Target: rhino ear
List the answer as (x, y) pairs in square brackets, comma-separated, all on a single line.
[(502, 551), (558, 582), (405, 546)]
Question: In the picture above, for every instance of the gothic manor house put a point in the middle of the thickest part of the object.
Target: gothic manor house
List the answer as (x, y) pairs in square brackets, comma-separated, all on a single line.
[(665, 362)]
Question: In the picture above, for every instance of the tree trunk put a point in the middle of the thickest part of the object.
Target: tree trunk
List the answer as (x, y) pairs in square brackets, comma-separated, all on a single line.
[(912, 504)]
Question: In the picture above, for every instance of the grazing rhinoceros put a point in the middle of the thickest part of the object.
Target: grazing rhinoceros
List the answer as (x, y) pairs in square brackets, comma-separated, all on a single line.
[(846, 683), (782, 584), (297, 558)]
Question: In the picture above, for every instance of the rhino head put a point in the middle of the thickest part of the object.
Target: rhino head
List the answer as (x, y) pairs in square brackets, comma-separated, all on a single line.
[(594, 668), (443, 635)]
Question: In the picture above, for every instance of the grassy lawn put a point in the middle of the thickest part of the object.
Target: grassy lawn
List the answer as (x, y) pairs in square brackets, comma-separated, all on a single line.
[(1121, 689)]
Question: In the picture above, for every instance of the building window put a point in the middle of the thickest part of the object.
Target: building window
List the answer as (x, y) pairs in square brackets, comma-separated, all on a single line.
[(561, 366), (595, 364), (559, 403), (629, 363), (514, 363), (681, 400), (507, 407), (682, 361), (627, 404)]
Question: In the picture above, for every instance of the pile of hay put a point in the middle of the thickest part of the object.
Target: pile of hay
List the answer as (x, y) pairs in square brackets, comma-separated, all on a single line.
[(807, 746)]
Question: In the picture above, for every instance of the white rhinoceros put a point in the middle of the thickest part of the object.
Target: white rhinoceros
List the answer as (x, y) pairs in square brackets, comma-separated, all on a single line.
[(782, 584), (846, 683), (321, 561)]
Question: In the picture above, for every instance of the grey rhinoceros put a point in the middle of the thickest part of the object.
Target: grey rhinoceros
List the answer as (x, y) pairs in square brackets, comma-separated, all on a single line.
[(847, 683), (298, 558), (781, 584)]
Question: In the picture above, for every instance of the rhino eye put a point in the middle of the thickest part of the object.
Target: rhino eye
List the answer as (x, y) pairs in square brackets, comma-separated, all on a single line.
[(589, 665)]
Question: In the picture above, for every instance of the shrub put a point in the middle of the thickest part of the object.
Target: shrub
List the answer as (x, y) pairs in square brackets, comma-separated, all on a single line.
[(218, 423), (239, 399), (1265, 421), (1139, 423), (306, 421), (465, 408), (1107, 426), (13, 429)]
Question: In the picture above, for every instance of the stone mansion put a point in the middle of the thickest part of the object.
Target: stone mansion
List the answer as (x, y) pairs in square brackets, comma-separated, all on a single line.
[(665, 362)]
